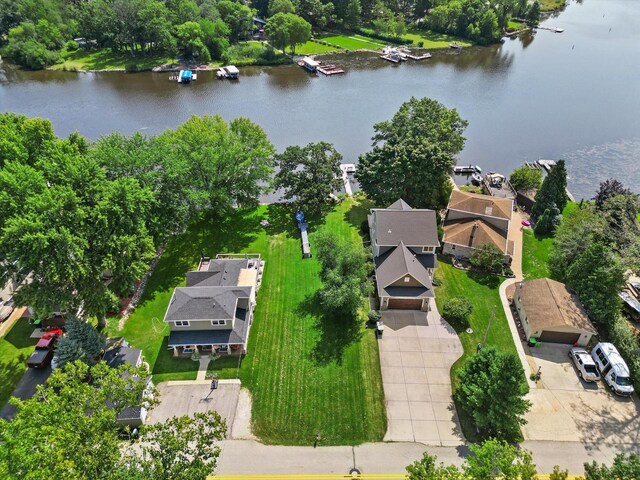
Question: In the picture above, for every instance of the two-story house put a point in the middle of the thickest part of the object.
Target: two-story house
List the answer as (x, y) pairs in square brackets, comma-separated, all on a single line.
[(404, 242), (215, 310), (474, 220)]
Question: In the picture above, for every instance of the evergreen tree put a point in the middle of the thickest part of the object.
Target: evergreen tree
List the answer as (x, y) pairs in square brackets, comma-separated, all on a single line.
[(80, 342), (553, 192)]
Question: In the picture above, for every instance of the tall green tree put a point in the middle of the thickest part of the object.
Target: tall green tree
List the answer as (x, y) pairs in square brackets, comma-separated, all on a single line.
[(524, 178), (344, 270), (492, 389), (238, 17), (309, 175), (553, 192), (413, 155), (80, 342), (190, 42), (607, 189), (488, 258), (281, 6), (427, 469), (498, 459), (81, 437)]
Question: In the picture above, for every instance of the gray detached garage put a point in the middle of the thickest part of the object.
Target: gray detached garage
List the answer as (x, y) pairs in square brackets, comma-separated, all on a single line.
[(551, 313)]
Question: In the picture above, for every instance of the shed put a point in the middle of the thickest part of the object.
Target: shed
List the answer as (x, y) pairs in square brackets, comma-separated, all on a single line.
[(550, 312)]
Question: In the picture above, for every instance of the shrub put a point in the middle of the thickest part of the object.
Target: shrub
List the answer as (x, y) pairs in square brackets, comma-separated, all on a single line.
[(487, 258), (456, 310), (71, 46), (131, 67), (253, 54), (420, 44), (374, 316)]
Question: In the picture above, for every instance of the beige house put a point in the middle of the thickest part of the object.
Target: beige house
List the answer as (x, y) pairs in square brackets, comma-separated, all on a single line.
[(403, 243), (550, 312), (473, 220), (215, 310)]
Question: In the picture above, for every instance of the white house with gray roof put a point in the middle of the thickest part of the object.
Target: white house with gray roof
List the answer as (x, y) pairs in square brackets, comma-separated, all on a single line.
[(215, 310), (404, 242)]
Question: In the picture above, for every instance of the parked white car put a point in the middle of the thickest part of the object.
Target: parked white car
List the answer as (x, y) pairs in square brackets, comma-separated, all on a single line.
[(584, 364)]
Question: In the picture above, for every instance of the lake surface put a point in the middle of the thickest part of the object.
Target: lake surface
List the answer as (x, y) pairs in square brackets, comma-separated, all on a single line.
[(574, 95)]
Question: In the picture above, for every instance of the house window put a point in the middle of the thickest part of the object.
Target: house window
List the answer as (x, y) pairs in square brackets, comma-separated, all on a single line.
[(218, 322), (181, 323), (407, 279), (427, 249)]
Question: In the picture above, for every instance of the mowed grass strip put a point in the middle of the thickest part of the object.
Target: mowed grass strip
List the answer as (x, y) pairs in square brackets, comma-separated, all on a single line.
[(312, 48), (354, 42), (15, 347), (535, 255), (307, 373), (482, 291)]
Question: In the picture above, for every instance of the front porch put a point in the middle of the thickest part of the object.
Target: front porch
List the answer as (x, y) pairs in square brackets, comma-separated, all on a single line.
[(220, 349)]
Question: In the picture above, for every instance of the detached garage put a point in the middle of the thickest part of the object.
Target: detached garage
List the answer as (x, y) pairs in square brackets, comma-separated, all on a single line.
[(550, 312)]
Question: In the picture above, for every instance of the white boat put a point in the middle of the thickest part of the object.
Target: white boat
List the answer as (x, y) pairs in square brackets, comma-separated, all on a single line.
[(476, 178), (232, 72), (309, 64)]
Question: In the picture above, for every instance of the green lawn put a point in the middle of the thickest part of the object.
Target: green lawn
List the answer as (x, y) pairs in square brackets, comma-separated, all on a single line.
[(482, 291), (551, 5), (106, 59), (15, 348), (514, 26), (312, 48), (536, 250), (355, 42), (307, 373), (434, 40), (535, 255)]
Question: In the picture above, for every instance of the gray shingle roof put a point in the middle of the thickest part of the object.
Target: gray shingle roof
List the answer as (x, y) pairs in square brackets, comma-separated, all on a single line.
[(399, 204), (224, 272), (121, 355), (205, 303), (214, 337), (396, 264), (413, 227)]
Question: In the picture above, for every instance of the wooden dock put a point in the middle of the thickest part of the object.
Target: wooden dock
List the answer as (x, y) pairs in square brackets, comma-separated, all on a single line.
[(418, 57), (551, 29), (329, 69)]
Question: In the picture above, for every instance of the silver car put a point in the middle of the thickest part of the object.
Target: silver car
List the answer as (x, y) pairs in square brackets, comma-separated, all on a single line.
[(584, 364)]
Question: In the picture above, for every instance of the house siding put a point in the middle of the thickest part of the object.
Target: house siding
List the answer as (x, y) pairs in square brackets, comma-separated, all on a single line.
[(201, 325), (465, 252), (411, 283)]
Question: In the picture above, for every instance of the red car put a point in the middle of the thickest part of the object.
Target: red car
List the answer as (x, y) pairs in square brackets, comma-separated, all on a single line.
[(42, 355)]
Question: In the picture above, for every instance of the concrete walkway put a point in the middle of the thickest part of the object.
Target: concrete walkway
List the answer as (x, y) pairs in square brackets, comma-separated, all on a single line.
[(202, 368), (417, 351)]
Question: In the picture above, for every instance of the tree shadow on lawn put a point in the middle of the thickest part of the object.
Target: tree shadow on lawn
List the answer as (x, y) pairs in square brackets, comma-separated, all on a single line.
[(336, 332), (167, 363), (20, 334), (357, 216), (483, 278), (208, 236), (11, 371), (282, 219)]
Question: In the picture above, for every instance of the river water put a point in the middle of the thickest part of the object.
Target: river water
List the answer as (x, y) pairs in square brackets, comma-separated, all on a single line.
[(574, 95)]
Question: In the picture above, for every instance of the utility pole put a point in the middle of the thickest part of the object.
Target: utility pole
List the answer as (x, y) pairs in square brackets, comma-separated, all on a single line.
[(486, 332)]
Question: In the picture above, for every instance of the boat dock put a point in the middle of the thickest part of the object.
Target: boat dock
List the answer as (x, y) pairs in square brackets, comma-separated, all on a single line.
[(551, 29), (498, 185), (184, 76), (465, 169), (347, 169), (418, 57), (329, 69)]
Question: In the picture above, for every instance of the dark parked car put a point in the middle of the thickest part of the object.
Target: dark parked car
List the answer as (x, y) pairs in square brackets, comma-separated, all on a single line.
[(42, 355)]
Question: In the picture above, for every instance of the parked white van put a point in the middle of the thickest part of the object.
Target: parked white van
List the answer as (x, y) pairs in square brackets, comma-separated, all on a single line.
[(613, 369)]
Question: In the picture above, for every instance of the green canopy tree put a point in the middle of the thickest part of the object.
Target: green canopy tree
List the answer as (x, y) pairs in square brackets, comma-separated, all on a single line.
[(238, 17), (427, 469), (309, 175), (492, 389), (524, 178), (190, 42), (281, 6), (498, 459), (344, 270), (81, 438), (288, 29), (624, 467), (413, 155), (488, 258)]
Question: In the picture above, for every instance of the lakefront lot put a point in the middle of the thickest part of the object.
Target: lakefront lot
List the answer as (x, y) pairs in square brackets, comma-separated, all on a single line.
[(306, 372)]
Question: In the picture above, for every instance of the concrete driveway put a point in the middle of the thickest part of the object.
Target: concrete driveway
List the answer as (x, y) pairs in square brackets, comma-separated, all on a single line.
[(567, 409), (416, 354), (187, 398)]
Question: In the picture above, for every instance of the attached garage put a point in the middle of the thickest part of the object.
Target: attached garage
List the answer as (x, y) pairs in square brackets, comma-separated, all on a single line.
[(405, 304), (550, 312), (559, 337)]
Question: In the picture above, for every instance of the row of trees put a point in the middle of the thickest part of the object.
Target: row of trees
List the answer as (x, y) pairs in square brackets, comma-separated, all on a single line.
[(85, 219), (495, 459), (595, 247), (36, 31), (69, 430)]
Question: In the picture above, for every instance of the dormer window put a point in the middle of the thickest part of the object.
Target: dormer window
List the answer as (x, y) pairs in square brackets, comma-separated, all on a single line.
[(218, 322)]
